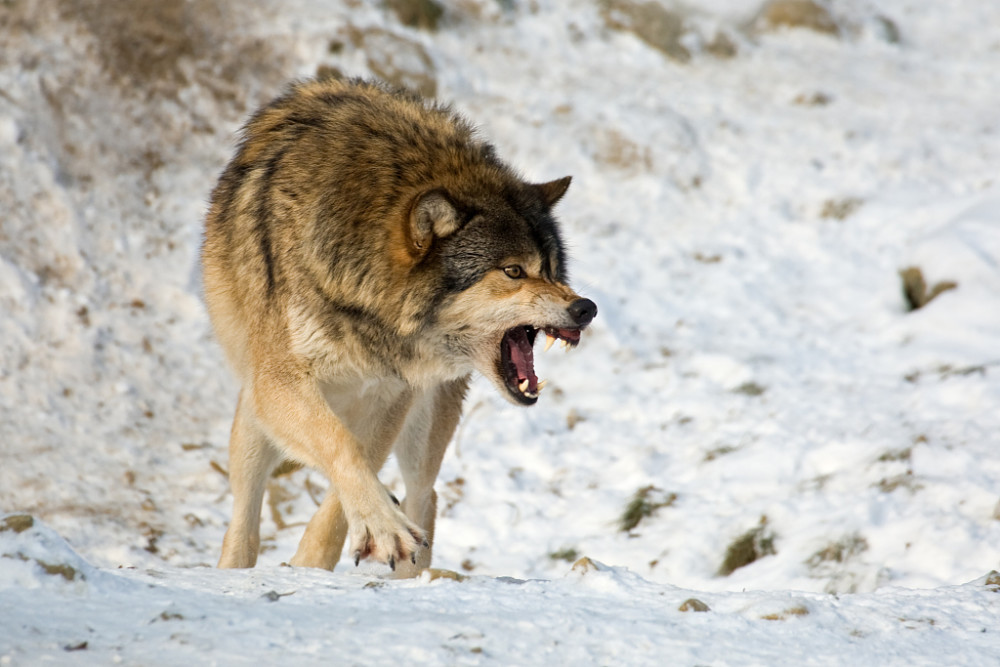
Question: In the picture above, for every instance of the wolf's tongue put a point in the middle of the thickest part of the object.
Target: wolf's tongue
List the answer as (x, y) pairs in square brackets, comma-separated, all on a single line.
[(523, 357)]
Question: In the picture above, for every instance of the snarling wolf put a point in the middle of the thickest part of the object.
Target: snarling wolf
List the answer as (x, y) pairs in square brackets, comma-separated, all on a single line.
[(364, 252)]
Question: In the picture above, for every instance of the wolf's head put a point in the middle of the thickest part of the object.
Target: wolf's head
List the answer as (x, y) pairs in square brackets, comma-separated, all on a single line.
[(501, 267)]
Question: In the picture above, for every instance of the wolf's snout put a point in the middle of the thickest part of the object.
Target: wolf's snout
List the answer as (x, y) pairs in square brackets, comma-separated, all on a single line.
[(582, 311)]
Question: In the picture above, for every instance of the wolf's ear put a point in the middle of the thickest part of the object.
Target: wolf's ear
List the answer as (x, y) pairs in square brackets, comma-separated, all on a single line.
[(433, 214), (553, 191)]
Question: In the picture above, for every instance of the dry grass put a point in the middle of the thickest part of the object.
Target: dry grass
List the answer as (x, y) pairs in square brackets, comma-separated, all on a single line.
[(645, 503), (748, 548), (791, 612), (915, 288)]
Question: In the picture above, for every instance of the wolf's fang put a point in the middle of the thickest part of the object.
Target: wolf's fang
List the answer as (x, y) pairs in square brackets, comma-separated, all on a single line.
[(523, 386), (541, 385), (549, 340)]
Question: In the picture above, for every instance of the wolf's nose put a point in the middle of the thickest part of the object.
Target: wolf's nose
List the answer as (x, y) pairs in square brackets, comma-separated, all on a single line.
[(582, 311)]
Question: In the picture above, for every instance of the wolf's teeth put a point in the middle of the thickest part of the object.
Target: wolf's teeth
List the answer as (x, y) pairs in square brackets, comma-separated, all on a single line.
[(549, 339), (531, 394), (541, 385), (565, 343), (523, 386)]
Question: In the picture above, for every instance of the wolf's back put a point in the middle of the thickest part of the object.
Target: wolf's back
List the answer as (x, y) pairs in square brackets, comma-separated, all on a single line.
[(314, 203)]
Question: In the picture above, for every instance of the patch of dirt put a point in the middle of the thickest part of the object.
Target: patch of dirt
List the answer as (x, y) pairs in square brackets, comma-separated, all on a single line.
[(17, 523), (750, 389), (614, 149), (784, 615), (154, 48), (840, 209), (143, 43), (423, 14), (396, 59), (657, 26), (839, 551), (778, 14), (905, 480)]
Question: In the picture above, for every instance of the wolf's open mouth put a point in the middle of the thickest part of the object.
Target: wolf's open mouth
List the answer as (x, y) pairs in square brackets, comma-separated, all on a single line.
[(517, 359)]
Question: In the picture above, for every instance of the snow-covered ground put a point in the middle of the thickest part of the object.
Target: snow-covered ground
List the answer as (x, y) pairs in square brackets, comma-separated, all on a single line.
[(57, 608), (756, 388)]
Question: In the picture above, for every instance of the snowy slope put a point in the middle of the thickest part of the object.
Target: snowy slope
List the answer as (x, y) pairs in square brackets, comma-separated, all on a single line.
[(745, 197), (83, 615)]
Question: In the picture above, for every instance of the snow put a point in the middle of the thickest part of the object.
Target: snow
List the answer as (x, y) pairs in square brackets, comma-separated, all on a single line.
[(600, 615), (741, 223)]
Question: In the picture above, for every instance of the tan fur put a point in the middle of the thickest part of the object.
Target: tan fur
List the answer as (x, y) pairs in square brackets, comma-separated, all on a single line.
[(338, 284)]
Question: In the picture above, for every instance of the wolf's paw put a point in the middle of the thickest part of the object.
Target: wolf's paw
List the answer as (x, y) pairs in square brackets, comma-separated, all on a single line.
[(389, 539)]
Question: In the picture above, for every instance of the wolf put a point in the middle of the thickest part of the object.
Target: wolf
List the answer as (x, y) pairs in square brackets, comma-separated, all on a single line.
[(364, 252)]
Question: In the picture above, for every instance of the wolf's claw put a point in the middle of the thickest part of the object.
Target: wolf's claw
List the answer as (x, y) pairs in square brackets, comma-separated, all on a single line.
[(381, 539)]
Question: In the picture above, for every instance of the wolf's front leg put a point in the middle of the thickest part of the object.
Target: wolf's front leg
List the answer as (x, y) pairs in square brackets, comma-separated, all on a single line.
[(294, 412), (420, 449)]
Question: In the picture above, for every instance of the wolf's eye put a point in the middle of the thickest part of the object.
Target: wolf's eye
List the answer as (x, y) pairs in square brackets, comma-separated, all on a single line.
[(513, 271)]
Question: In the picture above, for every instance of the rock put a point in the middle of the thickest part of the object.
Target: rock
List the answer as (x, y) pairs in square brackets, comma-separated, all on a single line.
[(693, 604), (432, 573)]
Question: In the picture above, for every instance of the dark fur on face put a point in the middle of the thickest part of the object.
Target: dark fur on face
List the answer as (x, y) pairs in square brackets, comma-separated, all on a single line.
[(499, 230)]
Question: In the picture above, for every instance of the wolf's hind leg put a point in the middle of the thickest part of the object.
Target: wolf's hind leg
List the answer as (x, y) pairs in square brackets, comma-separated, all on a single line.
[(252, 457), (323, 541), (420, 449)]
